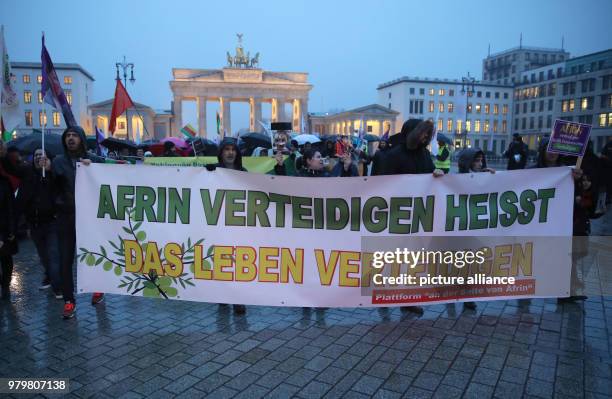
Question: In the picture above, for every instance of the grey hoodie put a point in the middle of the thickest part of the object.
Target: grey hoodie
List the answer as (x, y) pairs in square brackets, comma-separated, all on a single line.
[(466, 158), (64, 171)]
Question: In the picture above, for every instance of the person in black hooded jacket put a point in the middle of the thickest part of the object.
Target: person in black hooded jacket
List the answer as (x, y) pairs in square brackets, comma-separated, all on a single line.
[(63, 168), (7, 236), (583, 206), (36, 200), (229, 156), (412, 156)]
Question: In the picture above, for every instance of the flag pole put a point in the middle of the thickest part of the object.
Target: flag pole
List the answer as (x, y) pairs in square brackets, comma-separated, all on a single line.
[(142, 119), (42, 65)]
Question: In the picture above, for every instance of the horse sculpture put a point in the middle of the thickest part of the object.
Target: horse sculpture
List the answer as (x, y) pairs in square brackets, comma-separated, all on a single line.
[(255, 61)]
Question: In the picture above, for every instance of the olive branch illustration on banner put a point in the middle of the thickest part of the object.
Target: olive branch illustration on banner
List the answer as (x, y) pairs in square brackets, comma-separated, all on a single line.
[(150, 284)]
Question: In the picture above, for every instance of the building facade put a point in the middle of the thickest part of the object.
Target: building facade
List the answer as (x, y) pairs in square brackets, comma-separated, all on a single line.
[(77, 84), (578, 89), (507, 66), (375, 118), (144, 122), (474, 115)]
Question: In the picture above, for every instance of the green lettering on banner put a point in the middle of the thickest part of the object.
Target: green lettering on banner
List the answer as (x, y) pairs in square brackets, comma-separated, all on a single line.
[(105, 203), (281, 201), (375, 222), (337, 213), (178, 205), (125, 200), (492, 210), (355, 213), (256, 209), (477, 208), (161, 204), (459, 211), (145, 200), (319, 215), (231, 207), (544, 194), (527, 205), (396, 213), (423, 215), (299, 212), (507, 203), (212, 210)]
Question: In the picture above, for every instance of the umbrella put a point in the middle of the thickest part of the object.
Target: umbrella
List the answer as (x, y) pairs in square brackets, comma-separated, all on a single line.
[(115, 144), (444, 138), (371, 137), (177, 142), (254, 140), (30, 143), (306, 138)]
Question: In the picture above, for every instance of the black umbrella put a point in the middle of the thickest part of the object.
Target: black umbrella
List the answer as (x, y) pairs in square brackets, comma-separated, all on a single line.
[(254, 140), (115, 144), (204, 146), (30, 143)]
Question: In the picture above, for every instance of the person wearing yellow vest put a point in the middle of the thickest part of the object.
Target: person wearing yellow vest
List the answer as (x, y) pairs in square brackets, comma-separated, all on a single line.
[(443, 159)]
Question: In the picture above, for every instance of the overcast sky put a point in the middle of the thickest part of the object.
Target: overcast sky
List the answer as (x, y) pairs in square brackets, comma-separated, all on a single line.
[(347, 47)]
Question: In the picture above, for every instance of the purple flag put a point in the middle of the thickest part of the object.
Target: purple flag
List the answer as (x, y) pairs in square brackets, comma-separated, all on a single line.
[(51, 89)]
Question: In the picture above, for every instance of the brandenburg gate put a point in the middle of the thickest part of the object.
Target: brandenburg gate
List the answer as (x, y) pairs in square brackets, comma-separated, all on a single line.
[(240, 81)]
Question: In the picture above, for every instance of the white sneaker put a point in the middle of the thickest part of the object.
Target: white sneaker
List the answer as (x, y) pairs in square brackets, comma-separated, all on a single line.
[(44, 285)]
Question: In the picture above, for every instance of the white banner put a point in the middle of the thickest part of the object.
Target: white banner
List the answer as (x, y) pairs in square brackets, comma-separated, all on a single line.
[(233, 237)]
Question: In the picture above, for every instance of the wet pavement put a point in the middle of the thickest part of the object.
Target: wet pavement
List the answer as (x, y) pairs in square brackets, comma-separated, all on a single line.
[(138, 347)]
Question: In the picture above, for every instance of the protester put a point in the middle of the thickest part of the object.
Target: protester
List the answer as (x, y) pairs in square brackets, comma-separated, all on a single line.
[(313, 166), (307, 147), (343, 146), (7, 236), (169, 149), (606, 161), (412, 157), (229, 157), (285, 158), (36, 200), (516, 153), (583, 207), (472, 160), (329, 149), (443, 159), (378, 158), (63, 168)]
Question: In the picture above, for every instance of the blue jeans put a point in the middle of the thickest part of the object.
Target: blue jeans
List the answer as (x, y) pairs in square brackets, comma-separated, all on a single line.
[(46, 241)]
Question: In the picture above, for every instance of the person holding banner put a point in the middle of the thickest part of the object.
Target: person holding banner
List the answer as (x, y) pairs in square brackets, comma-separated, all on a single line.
[(229, 156), (583, 205), (63, 168)]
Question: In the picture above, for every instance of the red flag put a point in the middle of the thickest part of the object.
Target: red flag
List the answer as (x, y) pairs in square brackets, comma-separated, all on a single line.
[(121, 103)]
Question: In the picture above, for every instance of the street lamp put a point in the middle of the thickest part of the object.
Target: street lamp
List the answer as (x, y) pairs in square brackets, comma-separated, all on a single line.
[(467, 85), (124, 68)]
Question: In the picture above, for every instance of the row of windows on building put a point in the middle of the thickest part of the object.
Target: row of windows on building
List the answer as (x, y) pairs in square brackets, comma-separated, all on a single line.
[(477, 125), (531, 123), (416, 107), (27, 96), (26, 79), (535, 57), (535, 91), (605, 120), (568, 88), (605, 101), (42, 118), (517, 107), (451, 93)]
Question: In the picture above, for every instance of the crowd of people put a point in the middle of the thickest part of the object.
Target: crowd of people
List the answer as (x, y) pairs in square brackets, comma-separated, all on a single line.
[(42, 192)]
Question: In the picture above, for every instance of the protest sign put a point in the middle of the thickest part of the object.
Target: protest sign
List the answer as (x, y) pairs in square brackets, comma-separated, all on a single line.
[(569, 138), (234, 237)]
